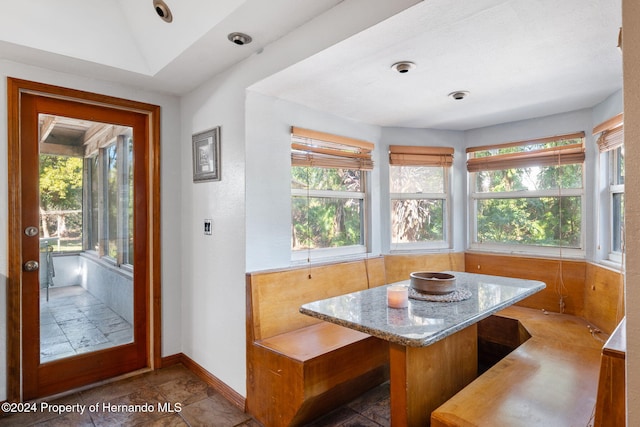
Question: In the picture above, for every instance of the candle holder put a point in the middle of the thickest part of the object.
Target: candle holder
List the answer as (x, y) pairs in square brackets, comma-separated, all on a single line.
[(398, 296)]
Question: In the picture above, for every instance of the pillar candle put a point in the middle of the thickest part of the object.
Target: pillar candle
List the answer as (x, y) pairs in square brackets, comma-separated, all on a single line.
[(397, 296)]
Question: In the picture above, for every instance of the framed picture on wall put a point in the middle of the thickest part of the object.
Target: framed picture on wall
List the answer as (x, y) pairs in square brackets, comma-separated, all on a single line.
[(206, 155)]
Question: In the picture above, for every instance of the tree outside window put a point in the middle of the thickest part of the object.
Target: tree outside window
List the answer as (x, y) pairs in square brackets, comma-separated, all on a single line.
[(528, 194), (328, 194)]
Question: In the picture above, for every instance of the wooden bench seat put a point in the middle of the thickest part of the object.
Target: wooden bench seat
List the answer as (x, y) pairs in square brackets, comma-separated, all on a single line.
[(551, 379), (298, 367), (306, 343)]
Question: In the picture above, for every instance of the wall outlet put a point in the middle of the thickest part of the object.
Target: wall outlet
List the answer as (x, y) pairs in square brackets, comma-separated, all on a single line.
[(208, 229)]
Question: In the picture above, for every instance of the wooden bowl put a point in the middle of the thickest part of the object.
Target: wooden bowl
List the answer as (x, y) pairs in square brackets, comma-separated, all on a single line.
[(430, 282)]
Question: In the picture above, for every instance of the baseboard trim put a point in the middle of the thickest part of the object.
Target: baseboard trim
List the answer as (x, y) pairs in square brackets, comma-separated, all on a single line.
[(174, 359), (214, 382)]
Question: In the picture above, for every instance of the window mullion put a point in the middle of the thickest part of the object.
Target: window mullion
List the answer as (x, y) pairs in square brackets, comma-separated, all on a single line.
[(103, 218), (87, 223), (296, 192), (123, 200), (529, 194), (418, 196)]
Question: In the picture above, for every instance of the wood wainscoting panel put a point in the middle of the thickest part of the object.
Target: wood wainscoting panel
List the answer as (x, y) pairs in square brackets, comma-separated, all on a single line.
[(563, 277), (604, 297), (398, 267), (376, 275), (276, 296)]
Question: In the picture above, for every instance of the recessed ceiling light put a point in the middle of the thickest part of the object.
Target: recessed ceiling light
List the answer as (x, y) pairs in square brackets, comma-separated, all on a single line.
[(403, 67), (239, 38), (163, 10), (459, 94)]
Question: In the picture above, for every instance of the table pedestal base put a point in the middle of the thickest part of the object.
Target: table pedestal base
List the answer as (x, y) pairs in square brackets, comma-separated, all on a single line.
[(423, 378)]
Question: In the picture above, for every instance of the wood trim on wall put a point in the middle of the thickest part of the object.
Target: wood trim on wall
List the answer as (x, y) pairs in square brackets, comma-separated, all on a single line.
[(214, 382), (399, 266), (14, 245), (15, 87)]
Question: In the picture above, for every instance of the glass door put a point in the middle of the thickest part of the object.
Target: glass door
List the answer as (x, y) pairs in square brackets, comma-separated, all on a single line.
[(85, 311)]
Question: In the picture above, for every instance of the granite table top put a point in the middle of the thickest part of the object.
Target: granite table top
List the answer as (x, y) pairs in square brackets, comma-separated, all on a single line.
[(423, 322)]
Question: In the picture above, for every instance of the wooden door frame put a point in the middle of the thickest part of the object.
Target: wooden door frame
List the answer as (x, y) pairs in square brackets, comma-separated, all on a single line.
[(15, 89)]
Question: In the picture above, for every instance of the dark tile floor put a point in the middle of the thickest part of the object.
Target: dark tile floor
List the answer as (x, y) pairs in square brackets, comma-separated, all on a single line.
[(179, 398), (72, 321)]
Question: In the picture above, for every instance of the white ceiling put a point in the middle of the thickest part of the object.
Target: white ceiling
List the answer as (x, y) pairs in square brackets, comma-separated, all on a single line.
[(125, 41), (518, 58)]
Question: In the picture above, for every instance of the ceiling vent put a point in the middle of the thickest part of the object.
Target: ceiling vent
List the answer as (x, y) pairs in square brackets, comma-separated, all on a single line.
[(403, 67), (163, 10), (459, 94), (239, 38)]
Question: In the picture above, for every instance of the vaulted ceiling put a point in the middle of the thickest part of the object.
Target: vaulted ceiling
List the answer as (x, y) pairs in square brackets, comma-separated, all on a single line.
[(126, 42), (517, 58)]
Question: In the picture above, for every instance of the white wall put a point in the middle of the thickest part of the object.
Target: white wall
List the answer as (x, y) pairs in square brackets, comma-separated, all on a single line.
[(608, 108), (170, 126)]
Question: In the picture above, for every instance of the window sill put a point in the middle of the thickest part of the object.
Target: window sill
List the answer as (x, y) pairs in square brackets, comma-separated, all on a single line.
[(561, 253), (421, 249), (612, 265), (108, 264), (324, 255)]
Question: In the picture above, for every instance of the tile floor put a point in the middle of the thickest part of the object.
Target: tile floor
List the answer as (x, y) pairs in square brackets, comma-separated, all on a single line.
[(199, 405), (73, 321)]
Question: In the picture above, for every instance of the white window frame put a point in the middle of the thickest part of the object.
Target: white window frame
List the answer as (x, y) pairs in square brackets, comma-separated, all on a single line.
[(614, 189), (520, 249), (304, 255), (120, 143)]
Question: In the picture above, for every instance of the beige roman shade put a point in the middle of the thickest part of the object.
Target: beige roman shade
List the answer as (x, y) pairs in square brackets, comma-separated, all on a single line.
[(407, 155), (611, 133), (558, 155), (324, 150)]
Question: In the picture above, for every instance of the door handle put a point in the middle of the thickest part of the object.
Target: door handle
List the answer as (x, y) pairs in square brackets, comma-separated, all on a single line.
[(31, 265)]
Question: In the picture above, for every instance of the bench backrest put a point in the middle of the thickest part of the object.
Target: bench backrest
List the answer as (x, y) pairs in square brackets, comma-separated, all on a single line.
[(399, 267), (274, 297)]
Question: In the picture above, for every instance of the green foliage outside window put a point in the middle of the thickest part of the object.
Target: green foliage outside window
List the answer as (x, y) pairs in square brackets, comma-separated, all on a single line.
[(61, 199), (522, 218), (322, 218)]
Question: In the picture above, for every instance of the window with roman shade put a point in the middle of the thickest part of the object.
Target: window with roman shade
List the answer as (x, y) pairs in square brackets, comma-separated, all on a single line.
[(419, 195), (328, 193), (319, 149), (551, 151), (528, 194)]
